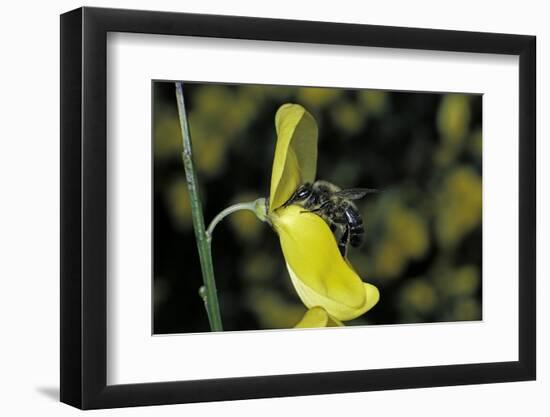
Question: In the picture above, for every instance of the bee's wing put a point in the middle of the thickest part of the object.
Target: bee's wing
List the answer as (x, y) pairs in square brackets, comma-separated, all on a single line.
[(354, 193)]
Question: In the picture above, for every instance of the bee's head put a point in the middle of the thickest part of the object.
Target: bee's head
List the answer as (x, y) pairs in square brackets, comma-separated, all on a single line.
[(302, 193)]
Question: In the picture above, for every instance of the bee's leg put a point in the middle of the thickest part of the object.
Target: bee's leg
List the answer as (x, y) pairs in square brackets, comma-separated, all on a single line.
[(343, 243), (316, 209)]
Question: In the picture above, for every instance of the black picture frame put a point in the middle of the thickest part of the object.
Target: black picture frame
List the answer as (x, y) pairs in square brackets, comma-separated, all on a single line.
[(84, 207)]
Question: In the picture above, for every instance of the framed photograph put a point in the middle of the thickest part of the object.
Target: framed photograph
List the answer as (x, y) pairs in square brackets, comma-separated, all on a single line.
[(259, 208)]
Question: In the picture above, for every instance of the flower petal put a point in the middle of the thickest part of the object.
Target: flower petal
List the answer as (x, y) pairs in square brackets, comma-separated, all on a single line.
[(338, 311), (317, 317), (295, 160), (332, 322), (314, 317), (318, 271), (372, 296)]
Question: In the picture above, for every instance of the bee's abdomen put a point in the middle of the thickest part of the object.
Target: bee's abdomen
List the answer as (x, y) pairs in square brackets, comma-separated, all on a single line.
[(356, 236), (355, 226)]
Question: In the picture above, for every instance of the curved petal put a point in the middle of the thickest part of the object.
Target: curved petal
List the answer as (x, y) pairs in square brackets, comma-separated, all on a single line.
[(338, 311), (295, 160), (318, 271), (332, 322), (372, 296), (317, 317), (314, 317)]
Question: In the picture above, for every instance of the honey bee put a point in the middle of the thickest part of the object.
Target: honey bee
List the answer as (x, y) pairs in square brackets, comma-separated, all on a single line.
[(336, 207)]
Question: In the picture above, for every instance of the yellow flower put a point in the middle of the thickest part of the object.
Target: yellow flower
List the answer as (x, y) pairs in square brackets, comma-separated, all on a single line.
[(325, 281), (295, 160)]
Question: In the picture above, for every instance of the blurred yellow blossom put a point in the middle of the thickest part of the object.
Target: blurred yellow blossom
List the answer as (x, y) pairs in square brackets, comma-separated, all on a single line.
[(317, 97), (209, 154), (179, 204), (272, 310), (466, 309), (475, 143), (419, 296), (388, 259), (459, 205), (409, 231), (167, 141), (258, 267), (463, 281), (405, 238), (347, 117), (373, 101), (453, 118)]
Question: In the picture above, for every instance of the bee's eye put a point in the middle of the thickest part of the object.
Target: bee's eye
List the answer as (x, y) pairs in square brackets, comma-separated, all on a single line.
[(303, 193)]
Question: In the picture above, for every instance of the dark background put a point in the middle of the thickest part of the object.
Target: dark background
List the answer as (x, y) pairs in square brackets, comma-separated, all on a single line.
[(423, 229)]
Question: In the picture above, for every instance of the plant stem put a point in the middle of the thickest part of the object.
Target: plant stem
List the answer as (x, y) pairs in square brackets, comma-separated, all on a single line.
[(251, 206), (209, 295)]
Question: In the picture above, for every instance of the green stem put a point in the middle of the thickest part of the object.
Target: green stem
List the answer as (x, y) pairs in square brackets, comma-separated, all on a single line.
[(251, 206), (209, 295)]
